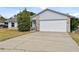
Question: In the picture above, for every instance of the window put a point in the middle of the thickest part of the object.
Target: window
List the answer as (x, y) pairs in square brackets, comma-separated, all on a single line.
[(6, 25), (12, 24)]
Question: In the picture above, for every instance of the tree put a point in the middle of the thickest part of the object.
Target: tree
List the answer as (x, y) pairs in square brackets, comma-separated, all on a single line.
[(74, 24), (2, 19), (23, 19)]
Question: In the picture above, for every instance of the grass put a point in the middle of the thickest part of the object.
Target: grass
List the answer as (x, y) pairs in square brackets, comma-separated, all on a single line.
[(6, 34), (75, 36)]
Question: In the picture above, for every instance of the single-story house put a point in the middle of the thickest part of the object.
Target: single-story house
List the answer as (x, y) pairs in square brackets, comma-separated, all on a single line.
[(47, 20), (12, 23), (50, 20)]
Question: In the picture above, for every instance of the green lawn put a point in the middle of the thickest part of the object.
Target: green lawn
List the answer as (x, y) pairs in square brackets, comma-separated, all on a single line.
[(5, 34), (75, 36)]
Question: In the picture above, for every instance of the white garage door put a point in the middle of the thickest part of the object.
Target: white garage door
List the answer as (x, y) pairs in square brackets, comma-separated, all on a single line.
[(55, 25)]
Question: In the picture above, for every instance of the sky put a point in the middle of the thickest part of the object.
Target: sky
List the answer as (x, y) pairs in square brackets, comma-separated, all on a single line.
[(8, 12)]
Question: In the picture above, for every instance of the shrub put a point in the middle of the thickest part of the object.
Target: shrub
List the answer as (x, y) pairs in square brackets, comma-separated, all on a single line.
[(74, 24)]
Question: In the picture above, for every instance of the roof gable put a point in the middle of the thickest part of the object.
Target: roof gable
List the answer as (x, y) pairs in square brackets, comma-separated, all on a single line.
[(14, 19), (52, 11)]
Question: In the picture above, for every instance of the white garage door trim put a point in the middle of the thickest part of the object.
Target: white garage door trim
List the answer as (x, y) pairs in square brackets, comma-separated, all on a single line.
[(53, 25)]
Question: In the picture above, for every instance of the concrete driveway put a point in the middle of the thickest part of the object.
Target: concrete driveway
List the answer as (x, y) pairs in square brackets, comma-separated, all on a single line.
[(40, 42)]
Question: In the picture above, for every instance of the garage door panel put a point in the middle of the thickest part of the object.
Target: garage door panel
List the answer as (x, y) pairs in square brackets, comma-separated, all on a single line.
[(56, 26)]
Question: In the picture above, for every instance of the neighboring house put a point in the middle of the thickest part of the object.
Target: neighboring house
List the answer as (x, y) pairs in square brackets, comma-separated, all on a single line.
[(50, 20), (12, 23), (77, 29), (2, 25)]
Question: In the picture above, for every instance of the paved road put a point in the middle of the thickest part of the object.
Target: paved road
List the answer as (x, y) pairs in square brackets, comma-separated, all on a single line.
[(40, 42)]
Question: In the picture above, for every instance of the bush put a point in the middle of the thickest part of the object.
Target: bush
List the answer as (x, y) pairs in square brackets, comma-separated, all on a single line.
[(74, 24)]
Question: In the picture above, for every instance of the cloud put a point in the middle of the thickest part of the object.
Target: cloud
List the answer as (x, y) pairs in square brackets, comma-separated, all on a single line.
[(43, 7), (75, 14)]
